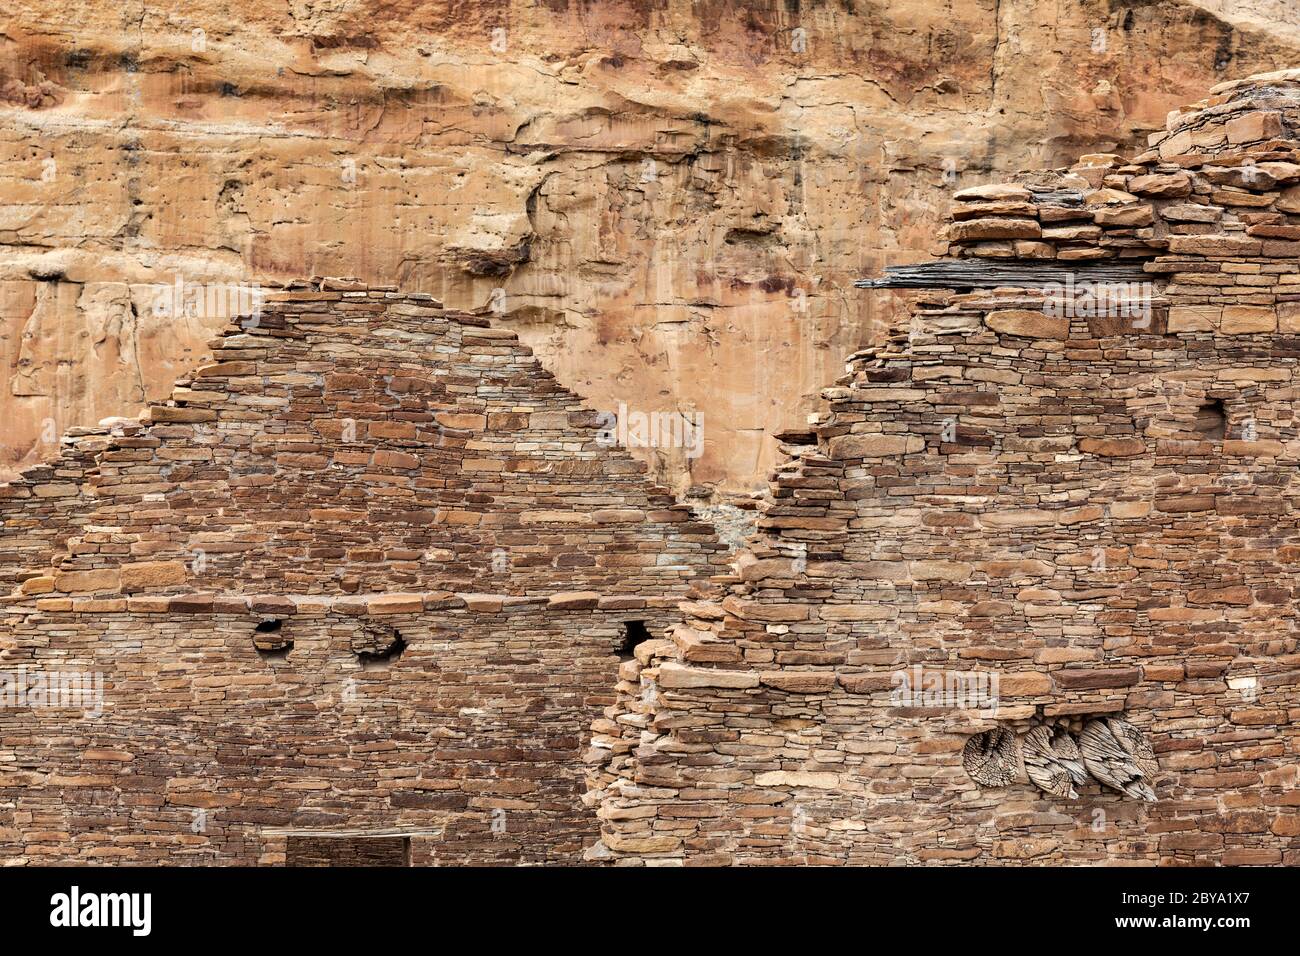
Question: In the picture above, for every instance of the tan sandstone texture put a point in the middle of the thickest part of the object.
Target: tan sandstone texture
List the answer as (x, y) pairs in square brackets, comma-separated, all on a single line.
[(668, 199), (1086, 506)]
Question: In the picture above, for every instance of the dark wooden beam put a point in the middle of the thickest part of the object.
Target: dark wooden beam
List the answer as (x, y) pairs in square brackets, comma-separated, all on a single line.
[(990, 273)]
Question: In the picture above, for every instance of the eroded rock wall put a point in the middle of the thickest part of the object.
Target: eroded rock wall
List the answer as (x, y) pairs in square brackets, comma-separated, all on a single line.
[(668, 199)]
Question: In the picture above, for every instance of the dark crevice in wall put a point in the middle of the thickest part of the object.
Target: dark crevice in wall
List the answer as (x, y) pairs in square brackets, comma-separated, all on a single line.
[(271, 640), (1212, 420), (634, 632)]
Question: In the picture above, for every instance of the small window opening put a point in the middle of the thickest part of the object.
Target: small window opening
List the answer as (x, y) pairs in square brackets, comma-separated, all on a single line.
[(377, 646), (270, 639), (1212, 420), (634, 632)]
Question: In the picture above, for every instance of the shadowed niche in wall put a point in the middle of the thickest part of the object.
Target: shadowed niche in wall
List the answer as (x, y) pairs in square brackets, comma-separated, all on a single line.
[(634, 632), (271, 640), (377, 645), (1212, 420)]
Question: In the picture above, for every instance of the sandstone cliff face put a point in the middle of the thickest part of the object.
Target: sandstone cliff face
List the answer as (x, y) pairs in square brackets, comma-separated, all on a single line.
[(668, 200)]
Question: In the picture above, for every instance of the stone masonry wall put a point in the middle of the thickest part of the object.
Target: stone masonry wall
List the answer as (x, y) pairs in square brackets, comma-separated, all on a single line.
[(1101, 510), (366, 575)]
